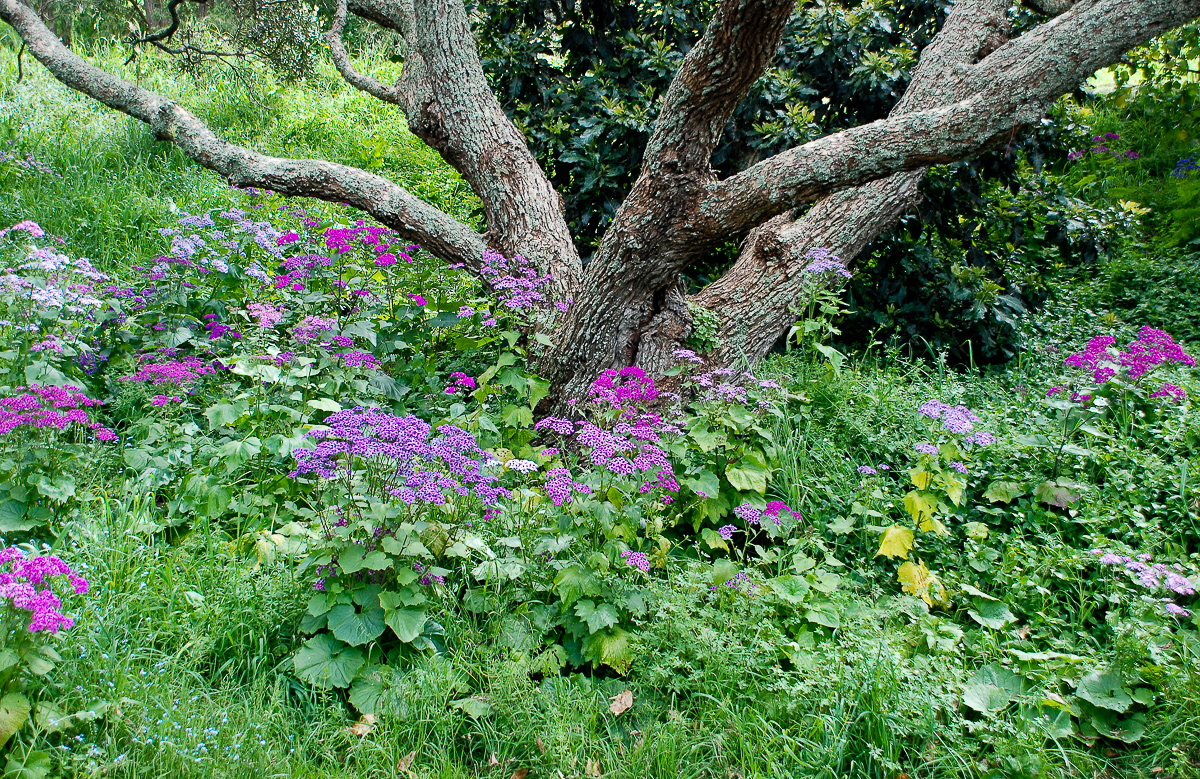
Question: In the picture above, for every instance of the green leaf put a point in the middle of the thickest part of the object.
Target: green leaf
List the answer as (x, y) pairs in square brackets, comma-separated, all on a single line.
[(407, 623), (896, 541), (12, 518), (713, 539), (991, 689), (353, 627), (598, 617), (1056, 493), (476, 707), (748, 476), (30, 764), (991, 614), (14, 713), (706, 484), (136, 459), (1127, 729), (841, 525), (519, 417), (613, 648), (377, 561), (60, 489), (1004, 491), (225, 413), (326, 662), (790, 589), (351, 559), (370, 689), (823, 613), (573, 582), (921, 505), (325, 404), (1104, 689)]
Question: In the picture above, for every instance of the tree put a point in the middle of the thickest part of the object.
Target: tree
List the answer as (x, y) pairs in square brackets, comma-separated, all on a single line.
[(973, 88)]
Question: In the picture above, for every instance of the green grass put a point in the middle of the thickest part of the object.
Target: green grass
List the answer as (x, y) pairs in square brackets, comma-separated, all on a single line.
[(118, 185), (183, 649)]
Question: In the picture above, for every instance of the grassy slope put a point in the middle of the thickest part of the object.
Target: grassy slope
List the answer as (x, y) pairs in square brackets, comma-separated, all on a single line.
[(189, 640)]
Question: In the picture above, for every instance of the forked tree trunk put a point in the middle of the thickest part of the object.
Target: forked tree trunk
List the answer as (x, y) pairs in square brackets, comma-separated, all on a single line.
[(972, 88)]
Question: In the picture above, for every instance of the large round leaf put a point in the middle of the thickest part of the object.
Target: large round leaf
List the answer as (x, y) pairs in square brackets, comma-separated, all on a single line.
[(327, 662)]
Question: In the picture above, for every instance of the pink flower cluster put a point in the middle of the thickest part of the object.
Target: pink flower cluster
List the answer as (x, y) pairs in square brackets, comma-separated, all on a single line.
[(624, 389), (54, 407), (310, 328), (19, 581), (266, 316), (359, 359), (461, 382), (173, 370), (1149, 350)]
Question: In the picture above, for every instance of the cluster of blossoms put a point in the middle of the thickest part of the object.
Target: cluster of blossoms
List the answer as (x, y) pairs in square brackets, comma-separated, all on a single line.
[(824, 261), (399, 457), (50, 407), (168, 367), (28, 162), (1184, 167), (216, 330), (358, 359), (867, 470), (20, 578), (958, 420), (266, 316), (740, 582), (637, 560), (774, 512), (1152, 576), (624, 389), (1101, 146), (1141, 357), (517, 283), (309, 328), (461, 382), (50, 280)]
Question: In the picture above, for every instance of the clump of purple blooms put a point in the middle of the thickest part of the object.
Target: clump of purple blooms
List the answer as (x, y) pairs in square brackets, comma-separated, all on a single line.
[(824, 261), (517, 283), (461, 382), (391, 456), (20, 578), (637, 560), (1101, 147), (1152, 576)]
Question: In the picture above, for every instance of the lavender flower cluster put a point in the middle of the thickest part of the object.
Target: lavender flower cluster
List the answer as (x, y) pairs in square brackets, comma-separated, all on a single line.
[(1101, 146), (824, 261), (1152, 576), (20, 578), (517, 283), (399, 457)]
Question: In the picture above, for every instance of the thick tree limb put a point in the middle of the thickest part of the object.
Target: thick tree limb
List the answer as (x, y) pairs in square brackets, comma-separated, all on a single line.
[(1010, 88), (755, 299), (389, 93), (389, 203), (450, 106), (738, 44)]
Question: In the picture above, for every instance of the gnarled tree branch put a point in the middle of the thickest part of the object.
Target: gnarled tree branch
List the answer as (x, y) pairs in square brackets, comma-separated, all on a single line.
[(388, 93), (389, 203), (739, 43), (1010, 88)]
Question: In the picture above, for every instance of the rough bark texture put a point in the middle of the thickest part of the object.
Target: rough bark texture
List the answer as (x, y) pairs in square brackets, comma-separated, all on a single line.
[(971, 89), (755, 300), (449, 105)]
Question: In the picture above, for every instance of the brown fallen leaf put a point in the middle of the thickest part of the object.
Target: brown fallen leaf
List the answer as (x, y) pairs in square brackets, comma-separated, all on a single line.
[(621, 703), (403, 763), (541, 747), (493, 760), (593, 767), (519, 773), (365, 724)]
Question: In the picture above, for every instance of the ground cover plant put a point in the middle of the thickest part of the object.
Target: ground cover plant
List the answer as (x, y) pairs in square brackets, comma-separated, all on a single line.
[(283, 493)]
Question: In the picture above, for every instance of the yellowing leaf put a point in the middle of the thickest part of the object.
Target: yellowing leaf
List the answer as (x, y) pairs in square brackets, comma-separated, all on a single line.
[(921, 479), (933, 525), (921, 505), (897, 541), (364, 726), (920, 581)]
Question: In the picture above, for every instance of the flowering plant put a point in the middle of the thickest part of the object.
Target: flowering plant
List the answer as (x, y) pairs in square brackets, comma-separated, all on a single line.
[(45, 432), (31, 610)]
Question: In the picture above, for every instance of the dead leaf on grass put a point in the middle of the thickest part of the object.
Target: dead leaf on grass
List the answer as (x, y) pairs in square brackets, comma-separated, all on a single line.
[(621, 703)]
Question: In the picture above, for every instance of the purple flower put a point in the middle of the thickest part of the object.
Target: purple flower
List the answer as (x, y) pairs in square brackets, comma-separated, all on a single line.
[(636, 560), (956, 465), (925, 449), (749, 514), (727, 531), (867, 470)]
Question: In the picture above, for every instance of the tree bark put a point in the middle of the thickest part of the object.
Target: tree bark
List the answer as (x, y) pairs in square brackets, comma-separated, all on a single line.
[(629, 306)]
